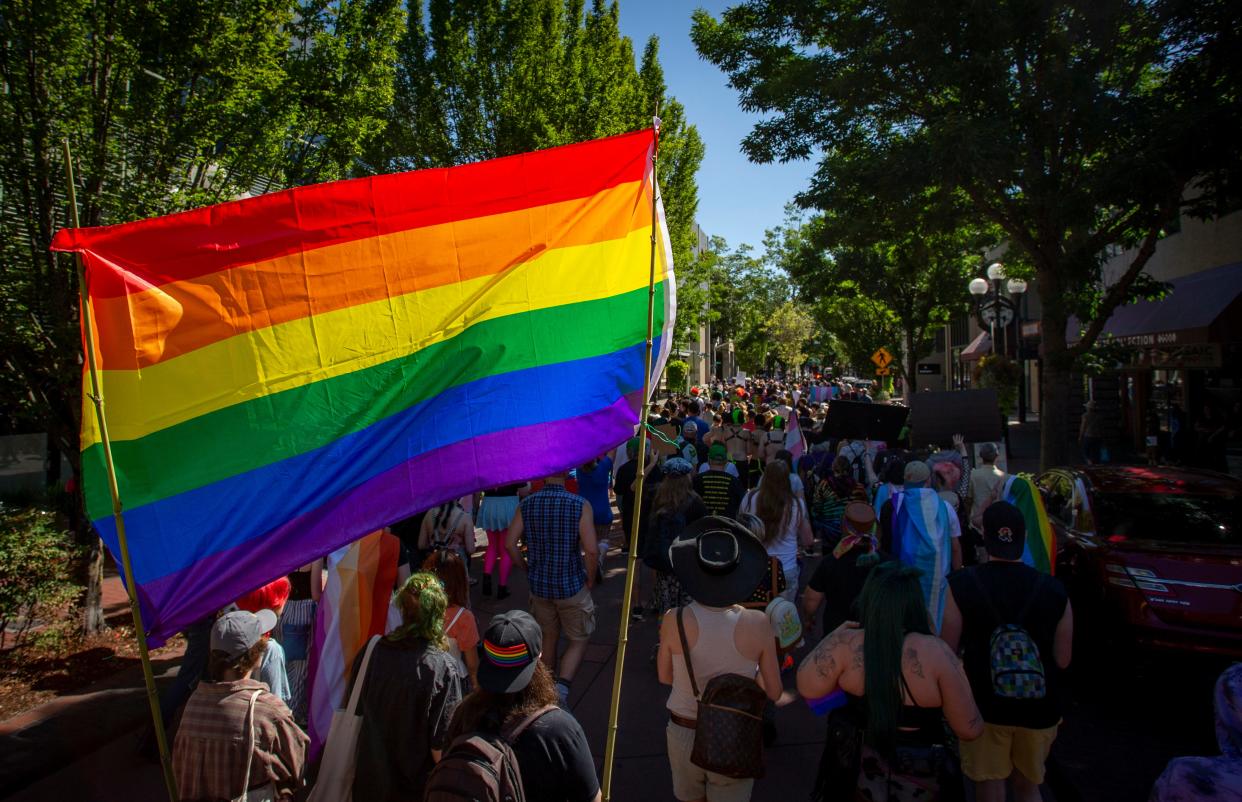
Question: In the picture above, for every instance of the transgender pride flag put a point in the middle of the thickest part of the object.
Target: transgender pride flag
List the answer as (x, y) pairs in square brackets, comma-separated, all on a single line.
[(286, 373)]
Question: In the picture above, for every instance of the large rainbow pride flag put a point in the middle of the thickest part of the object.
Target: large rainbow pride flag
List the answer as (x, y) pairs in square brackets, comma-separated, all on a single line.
[(286, 373)]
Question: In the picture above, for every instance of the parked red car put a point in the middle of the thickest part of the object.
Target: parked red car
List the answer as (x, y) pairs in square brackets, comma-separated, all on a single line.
[(1152, 552)]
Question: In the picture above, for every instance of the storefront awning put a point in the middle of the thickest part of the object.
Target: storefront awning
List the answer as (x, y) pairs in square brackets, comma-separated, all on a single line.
[(1183, 315), (979, 347)]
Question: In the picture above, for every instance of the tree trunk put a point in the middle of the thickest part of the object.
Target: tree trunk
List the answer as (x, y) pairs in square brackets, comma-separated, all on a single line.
[(912, 365), (92, 598), (1055, 437)]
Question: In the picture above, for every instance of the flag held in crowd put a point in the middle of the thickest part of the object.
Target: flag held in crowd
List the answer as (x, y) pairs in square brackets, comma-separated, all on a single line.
[(286, 373)]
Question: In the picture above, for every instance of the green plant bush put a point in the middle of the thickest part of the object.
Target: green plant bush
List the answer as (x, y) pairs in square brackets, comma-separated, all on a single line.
[(676, 375), (1001, 374), (36, 559)]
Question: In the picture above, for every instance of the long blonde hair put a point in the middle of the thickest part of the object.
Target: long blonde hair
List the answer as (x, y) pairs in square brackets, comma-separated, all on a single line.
[(774, 500)]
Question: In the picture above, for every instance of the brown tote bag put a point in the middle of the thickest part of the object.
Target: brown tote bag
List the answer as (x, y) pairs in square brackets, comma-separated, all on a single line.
[(728, 738)]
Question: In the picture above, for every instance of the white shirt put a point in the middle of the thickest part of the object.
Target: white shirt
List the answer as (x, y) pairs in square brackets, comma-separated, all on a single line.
[(784, 546)]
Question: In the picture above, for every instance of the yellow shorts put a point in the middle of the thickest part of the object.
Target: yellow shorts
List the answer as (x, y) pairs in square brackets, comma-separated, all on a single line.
[(995, 754)]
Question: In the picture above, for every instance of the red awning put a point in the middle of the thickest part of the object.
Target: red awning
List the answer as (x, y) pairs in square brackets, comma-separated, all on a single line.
[(979, 347)]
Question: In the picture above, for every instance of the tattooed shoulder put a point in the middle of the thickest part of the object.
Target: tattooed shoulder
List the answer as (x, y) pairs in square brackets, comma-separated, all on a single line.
[(913, 664)]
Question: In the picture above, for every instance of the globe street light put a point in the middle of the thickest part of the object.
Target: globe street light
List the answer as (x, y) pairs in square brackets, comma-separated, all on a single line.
[(997, 311)]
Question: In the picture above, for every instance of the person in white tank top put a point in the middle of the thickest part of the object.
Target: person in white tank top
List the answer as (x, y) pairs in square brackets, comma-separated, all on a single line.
[(719, 564)]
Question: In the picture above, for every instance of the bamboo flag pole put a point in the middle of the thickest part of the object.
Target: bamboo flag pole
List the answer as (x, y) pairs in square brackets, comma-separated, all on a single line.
[(614, 707), (88, 324)]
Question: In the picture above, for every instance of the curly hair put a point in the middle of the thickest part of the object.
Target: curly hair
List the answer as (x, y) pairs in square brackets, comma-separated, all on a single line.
[(422, 602), (484, 710)]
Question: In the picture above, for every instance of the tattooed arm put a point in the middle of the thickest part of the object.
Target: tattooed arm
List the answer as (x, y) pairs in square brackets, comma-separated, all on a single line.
[(821, 669), (956, 699)]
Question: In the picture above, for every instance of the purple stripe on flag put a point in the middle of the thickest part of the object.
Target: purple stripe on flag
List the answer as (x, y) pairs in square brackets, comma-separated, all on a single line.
[(431, 478)]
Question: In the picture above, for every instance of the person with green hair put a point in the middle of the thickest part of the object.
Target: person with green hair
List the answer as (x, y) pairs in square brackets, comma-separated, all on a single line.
[(409, 694), (902, 681)]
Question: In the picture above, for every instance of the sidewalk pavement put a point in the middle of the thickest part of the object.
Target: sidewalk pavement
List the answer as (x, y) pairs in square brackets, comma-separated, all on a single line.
[(44, 740)]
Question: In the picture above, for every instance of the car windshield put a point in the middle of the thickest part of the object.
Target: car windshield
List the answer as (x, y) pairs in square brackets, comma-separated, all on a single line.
[(1169, 517)]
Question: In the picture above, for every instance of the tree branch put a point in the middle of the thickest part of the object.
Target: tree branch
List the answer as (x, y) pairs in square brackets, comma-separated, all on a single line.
[(1116, 294)]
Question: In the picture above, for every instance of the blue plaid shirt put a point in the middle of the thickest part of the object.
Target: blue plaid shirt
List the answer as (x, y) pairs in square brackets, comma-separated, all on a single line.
[(553, 550)]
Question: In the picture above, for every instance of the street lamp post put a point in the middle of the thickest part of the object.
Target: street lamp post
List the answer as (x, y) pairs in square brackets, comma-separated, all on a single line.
[(996, 311)]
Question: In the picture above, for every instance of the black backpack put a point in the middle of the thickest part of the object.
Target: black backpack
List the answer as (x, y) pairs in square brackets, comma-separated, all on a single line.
[(480, 767)]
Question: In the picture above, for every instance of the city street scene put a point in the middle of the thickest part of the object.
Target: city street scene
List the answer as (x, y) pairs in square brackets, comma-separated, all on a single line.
[(576, 401)]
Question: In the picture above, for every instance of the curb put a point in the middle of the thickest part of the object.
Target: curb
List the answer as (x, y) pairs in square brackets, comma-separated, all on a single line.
[(45, 739)]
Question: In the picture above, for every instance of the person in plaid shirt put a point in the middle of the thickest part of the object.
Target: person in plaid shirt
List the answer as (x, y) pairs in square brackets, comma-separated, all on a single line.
[(561, 563), (213, 748)]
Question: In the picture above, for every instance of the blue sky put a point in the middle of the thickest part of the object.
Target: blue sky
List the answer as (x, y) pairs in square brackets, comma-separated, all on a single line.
[(738, 200)]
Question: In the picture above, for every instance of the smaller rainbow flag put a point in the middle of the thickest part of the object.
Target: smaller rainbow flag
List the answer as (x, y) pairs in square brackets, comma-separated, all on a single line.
[(1040, 551)]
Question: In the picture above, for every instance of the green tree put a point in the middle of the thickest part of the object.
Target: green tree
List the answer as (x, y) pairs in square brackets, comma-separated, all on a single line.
[(1071, 125), (790, 330), (341, 83), (914, 259), (488, 79), (857, 324), (167, 105), (742, 293)]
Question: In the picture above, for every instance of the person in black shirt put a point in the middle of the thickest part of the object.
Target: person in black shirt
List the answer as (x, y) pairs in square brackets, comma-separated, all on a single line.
[(552, 751), (840, 576), (623, 484), (720, 490), (1015, 627)]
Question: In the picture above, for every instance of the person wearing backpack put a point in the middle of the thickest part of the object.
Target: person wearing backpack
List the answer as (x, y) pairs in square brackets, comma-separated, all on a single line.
[(447, 527), (711, 653), (1015, 628), (510, 740)]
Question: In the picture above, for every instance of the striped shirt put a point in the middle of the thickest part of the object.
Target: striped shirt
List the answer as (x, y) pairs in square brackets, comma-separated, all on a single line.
[(209, 755), (553, 550)]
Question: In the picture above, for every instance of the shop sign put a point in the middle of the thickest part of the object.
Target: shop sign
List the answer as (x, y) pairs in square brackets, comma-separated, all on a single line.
[(929, 369), (1200, 355)]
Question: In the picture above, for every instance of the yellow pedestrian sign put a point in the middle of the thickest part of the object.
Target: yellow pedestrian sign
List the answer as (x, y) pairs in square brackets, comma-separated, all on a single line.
[(882, 372), (882, 358)]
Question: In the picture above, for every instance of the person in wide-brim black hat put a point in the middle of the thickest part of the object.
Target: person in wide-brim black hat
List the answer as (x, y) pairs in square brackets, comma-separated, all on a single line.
[(717, 561)]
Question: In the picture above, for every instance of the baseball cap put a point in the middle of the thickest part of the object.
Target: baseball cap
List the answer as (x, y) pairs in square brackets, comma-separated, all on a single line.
[(717, 453), (783, 616), (234, 633), (916, 472), (509, 652), (1004, 530)]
